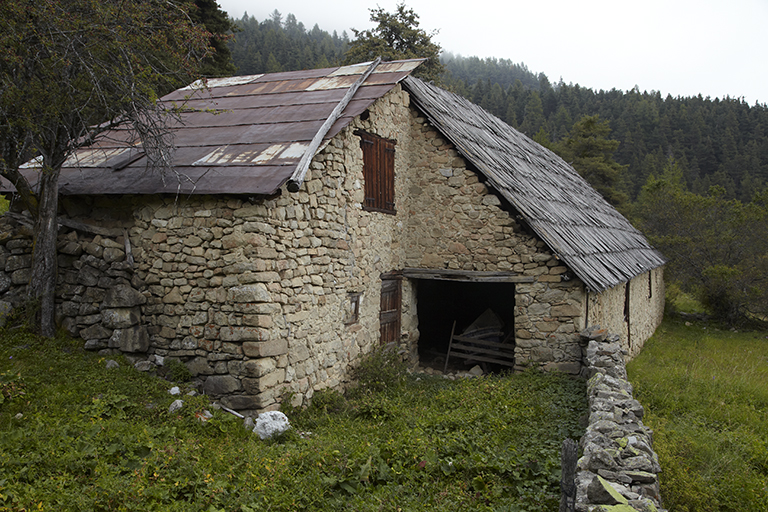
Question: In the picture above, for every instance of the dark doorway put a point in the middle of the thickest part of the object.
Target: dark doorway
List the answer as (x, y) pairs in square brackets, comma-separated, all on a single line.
[(440, 303)]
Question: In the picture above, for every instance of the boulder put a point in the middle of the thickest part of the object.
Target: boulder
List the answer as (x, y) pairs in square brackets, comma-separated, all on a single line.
[(270, 424), (132, 339)]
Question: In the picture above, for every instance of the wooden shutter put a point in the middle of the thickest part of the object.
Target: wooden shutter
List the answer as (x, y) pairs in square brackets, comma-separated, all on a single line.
[(387, 176), (369, 171), (378, 172), (389, 316)]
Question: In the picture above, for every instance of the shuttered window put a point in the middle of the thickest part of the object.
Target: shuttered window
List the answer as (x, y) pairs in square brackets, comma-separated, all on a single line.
[(378, 172)]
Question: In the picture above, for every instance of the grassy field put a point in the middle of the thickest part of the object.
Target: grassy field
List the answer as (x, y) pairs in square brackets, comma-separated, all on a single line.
[(75, 435), (705, 392)]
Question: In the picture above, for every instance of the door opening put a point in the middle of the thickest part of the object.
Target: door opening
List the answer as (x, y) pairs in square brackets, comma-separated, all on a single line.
[(440, 303)]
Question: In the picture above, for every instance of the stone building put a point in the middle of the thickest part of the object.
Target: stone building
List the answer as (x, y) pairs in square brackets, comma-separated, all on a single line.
[(269, 265)]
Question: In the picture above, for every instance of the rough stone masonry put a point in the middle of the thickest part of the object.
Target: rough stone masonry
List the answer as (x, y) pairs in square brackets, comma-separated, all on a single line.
[(618, 470)]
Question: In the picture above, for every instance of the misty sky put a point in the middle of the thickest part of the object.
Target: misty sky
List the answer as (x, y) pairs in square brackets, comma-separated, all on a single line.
[(677, 47)]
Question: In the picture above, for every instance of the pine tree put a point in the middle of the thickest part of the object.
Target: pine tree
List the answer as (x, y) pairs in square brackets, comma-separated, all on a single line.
[(397, 36), (590, 151)]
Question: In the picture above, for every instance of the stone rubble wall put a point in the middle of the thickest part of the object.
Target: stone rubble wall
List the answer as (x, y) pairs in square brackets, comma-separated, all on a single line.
[(96, 292), (618, 468), (456, 222)]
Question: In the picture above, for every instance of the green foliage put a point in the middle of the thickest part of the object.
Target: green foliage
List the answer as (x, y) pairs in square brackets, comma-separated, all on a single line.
[(83, 437), (715, 141), (220, 27), (12, 386), (397, 36), (275, 45), (589, 150), (705, 393), (381, 369), (717, 247), (177, 371)]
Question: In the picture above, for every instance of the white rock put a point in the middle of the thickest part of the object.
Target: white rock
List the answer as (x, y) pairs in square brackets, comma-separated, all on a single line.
[(204, 415), (175, 406), (271, 423), (476, 371), (175, 390)]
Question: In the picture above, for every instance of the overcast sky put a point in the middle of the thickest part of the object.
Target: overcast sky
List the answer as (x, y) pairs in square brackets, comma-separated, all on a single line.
[(679, 47)]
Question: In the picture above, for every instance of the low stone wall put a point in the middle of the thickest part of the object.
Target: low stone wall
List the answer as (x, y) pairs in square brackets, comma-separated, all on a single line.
[(618, 470), (97, 293)]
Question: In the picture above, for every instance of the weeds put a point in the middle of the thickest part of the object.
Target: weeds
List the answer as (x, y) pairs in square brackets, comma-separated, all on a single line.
[(92, 438), (380, 370), (176, 371)]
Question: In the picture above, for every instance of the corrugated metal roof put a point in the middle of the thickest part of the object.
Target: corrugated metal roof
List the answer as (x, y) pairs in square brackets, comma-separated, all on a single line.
[(239, 135), (596, 242)]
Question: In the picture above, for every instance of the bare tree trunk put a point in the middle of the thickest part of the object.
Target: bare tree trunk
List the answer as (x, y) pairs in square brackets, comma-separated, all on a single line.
[(42, 286)]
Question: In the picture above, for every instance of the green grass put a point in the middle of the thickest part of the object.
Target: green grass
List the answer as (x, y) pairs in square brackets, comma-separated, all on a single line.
[(705, 391), (77, 436)]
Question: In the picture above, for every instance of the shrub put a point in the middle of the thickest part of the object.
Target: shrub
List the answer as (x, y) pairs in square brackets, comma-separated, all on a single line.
[(177, 371), (381, 369), (717, 247)]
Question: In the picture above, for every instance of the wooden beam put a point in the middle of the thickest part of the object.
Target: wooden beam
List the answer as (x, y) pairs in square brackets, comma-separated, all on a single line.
[(473, 276), (297, 178)]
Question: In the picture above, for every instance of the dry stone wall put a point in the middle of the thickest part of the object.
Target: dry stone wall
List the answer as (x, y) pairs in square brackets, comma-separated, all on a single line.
[(618, 469), (97, 292)]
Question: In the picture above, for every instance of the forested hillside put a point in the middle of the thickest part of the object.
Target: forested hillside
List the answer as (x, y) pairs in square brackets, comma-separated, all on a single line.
[(715, 142), (274, 45)]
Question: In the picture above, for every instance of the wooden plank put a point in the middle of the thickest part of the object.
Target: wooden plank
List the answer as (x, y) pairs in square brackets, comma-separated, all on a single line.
[(494, 344), (476, 276), (484, 359), (457, 347), (450, 344), (295, 181)]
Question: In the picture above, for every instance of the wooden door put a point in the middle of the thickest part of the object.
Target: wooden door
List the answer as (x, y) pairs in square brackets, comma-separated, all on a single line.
[(389, 316)]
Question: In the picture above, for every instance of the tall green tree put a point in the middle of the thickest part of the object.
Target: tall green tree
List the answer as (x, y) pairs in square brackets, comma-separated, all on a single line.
[(208, 13), (718, 248), (590, 150), (397, 36), (70, 70)]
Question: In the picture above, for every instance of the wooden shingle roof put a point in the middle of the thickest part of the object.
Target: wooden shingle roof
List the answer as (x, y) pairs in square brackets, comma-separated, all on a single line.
[(594, 240)]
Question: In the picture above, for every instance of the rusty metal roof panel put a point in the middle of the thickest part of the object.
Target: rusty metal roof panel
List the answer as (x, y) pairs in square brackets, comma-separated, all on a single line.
[(239, 135)]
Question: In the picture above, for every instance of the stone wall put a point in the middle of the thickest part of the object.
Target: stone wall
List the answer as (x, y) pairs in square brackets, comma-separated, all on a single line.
[(456, 222), (97, 291), (646, 309), (618, 469)]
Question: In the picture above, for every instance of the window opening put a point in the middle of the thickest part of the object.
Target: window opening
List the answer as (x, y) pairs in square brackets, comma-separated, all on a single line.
[(352, 313)]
